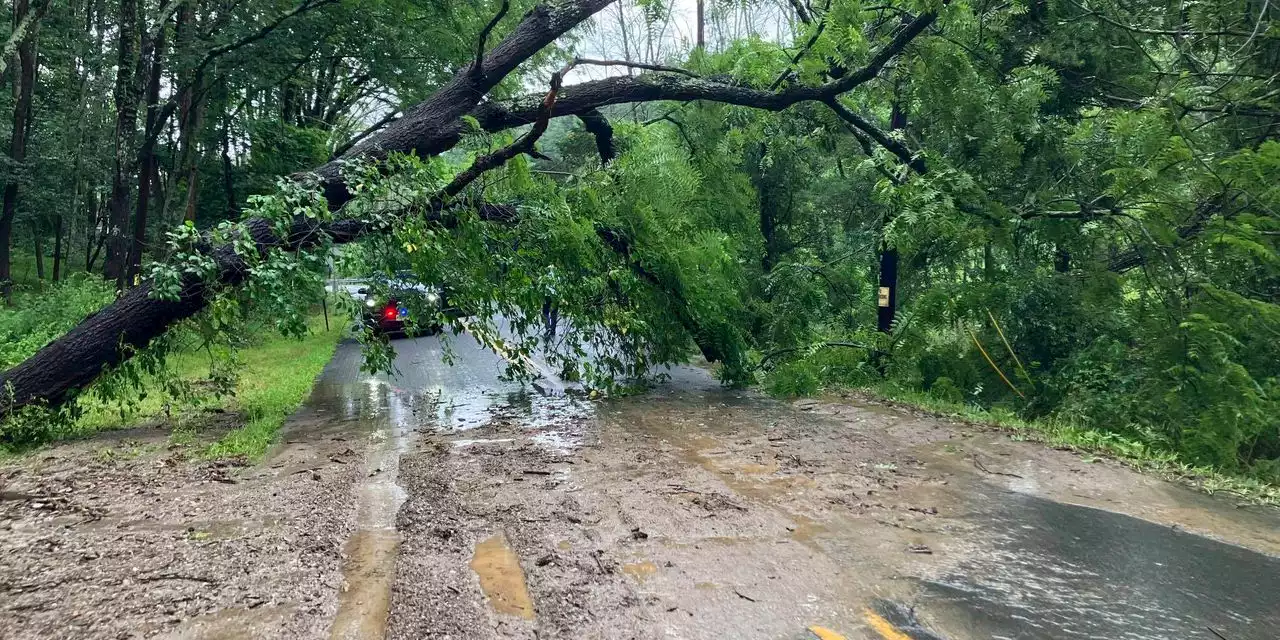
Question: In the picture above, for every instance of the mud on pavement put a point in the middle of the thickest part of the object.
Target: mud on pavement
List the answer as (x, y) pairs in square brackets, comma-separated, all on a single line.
[(123, 536), (448, 504), (699, 512)]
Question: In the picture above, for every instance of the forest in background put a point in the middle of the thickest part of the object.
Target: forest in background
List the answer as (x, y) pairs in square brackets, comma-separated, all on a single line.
[(1059, 210)]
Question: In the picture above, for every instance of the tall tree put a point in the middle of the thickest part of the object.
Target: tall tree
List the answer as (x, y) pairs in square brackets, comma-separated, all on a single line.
[(23, 92), (127, 94)]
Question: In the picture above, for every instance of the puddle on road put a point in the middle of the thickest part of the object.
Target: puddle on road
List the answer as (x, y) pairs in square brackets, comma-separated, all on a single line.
[(501, 578), (369, 556), (368, 572), (641, 571), (426, 395)]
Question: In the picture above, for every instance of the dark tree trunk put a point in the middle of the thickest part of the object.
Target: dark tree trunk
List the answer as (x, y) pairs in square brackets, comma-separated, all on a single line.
[(37, 246), (887, 296), (57, 248), (23, 87), (148, 163), (126, 100), (1062, 260)]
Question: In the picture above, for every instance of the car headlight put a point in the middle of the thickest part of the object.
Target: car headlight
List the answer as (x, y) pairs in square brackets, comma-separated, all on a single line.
[(433, 298), (370, 302)]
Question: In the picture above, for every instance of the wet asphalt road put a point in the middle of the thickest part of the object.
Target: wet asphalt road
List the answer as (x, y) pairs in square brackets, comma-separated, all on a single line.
[(1061, 571), (1042, 570)]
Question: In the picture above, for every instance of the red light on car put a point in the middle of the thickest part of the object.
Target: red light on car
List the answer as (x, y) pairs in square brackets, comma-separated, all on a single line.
[(389, 313)]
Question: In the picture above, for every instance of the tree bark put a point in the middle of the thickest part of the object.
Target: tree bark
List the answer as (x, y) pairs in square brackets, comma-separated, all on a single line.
[(25, 25), (126, 100), (23, 89), (190, 111), (37, 247)]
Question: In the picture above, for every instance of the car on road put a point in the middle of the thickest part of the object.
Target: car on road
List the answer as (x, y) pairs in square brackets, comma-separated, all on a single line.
[(402, 306)]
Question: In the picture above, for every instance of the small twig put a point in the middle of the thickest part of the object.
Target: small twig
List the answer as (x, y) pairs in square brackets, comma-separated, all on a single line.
[(743, 596), (537, 472), (477, 68), (637, 65), (174, 576), (1215, 632), (600, 564), (983, 469)]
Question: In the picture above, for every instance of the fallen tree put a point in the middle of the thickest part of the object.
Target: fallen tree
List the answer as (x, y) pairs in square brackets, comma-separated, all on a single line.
[(56, 372)]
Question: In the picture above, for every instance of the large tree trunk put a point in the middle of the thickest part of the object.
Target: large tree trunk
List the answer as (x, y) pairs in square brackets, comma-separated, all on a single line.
[(126, 100), (23, 88), (701, 42)]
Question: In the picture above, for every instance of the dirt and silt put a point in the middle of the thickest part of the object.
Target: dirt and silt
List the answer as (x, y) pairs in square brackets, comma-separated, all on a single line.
[(443, 503)]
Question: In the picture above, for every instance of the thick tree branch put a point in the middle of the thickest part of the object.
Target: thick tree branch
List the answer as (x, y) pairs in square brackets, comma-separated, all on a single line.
[(524, 144), (434, 125), (597, 125), (883, 139), (1189, 229)]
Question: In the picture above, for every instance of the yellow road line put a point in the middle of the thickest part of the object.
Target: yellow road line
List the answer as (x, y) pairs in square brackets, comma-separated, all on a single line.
[(883, 627), (824, 633)]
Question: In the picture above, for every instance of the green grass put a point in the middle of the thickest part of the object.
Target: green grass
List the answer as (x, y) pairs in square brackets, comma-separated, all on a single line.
[(275, 376), (1090, 443)]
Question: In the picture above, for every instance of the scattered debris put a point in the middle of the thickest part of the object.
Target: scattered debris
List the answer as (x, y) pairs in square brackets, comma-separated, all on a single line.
[(977, 463)]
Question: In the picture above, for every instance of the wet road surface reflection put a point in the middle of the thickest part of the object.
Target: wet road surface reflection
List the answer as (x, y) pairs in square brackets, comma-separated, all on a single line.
[(1054, 570), (1041, 569), (422, 394)]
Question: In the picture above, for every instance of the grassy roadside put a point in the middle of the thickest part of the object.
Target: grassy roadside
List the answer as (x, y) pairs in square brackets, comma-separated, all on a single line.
[(1088, 443), (275, 375)]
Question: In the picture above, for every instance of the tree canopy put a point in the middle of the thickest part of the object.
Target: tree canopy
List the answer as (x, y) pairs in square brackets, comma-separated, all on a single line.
[(1064, 209)]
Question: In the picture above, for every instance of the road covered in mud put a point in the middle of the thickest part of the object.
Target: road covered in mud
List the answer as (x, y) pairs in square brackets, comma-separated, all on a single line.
[(444, 502)]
